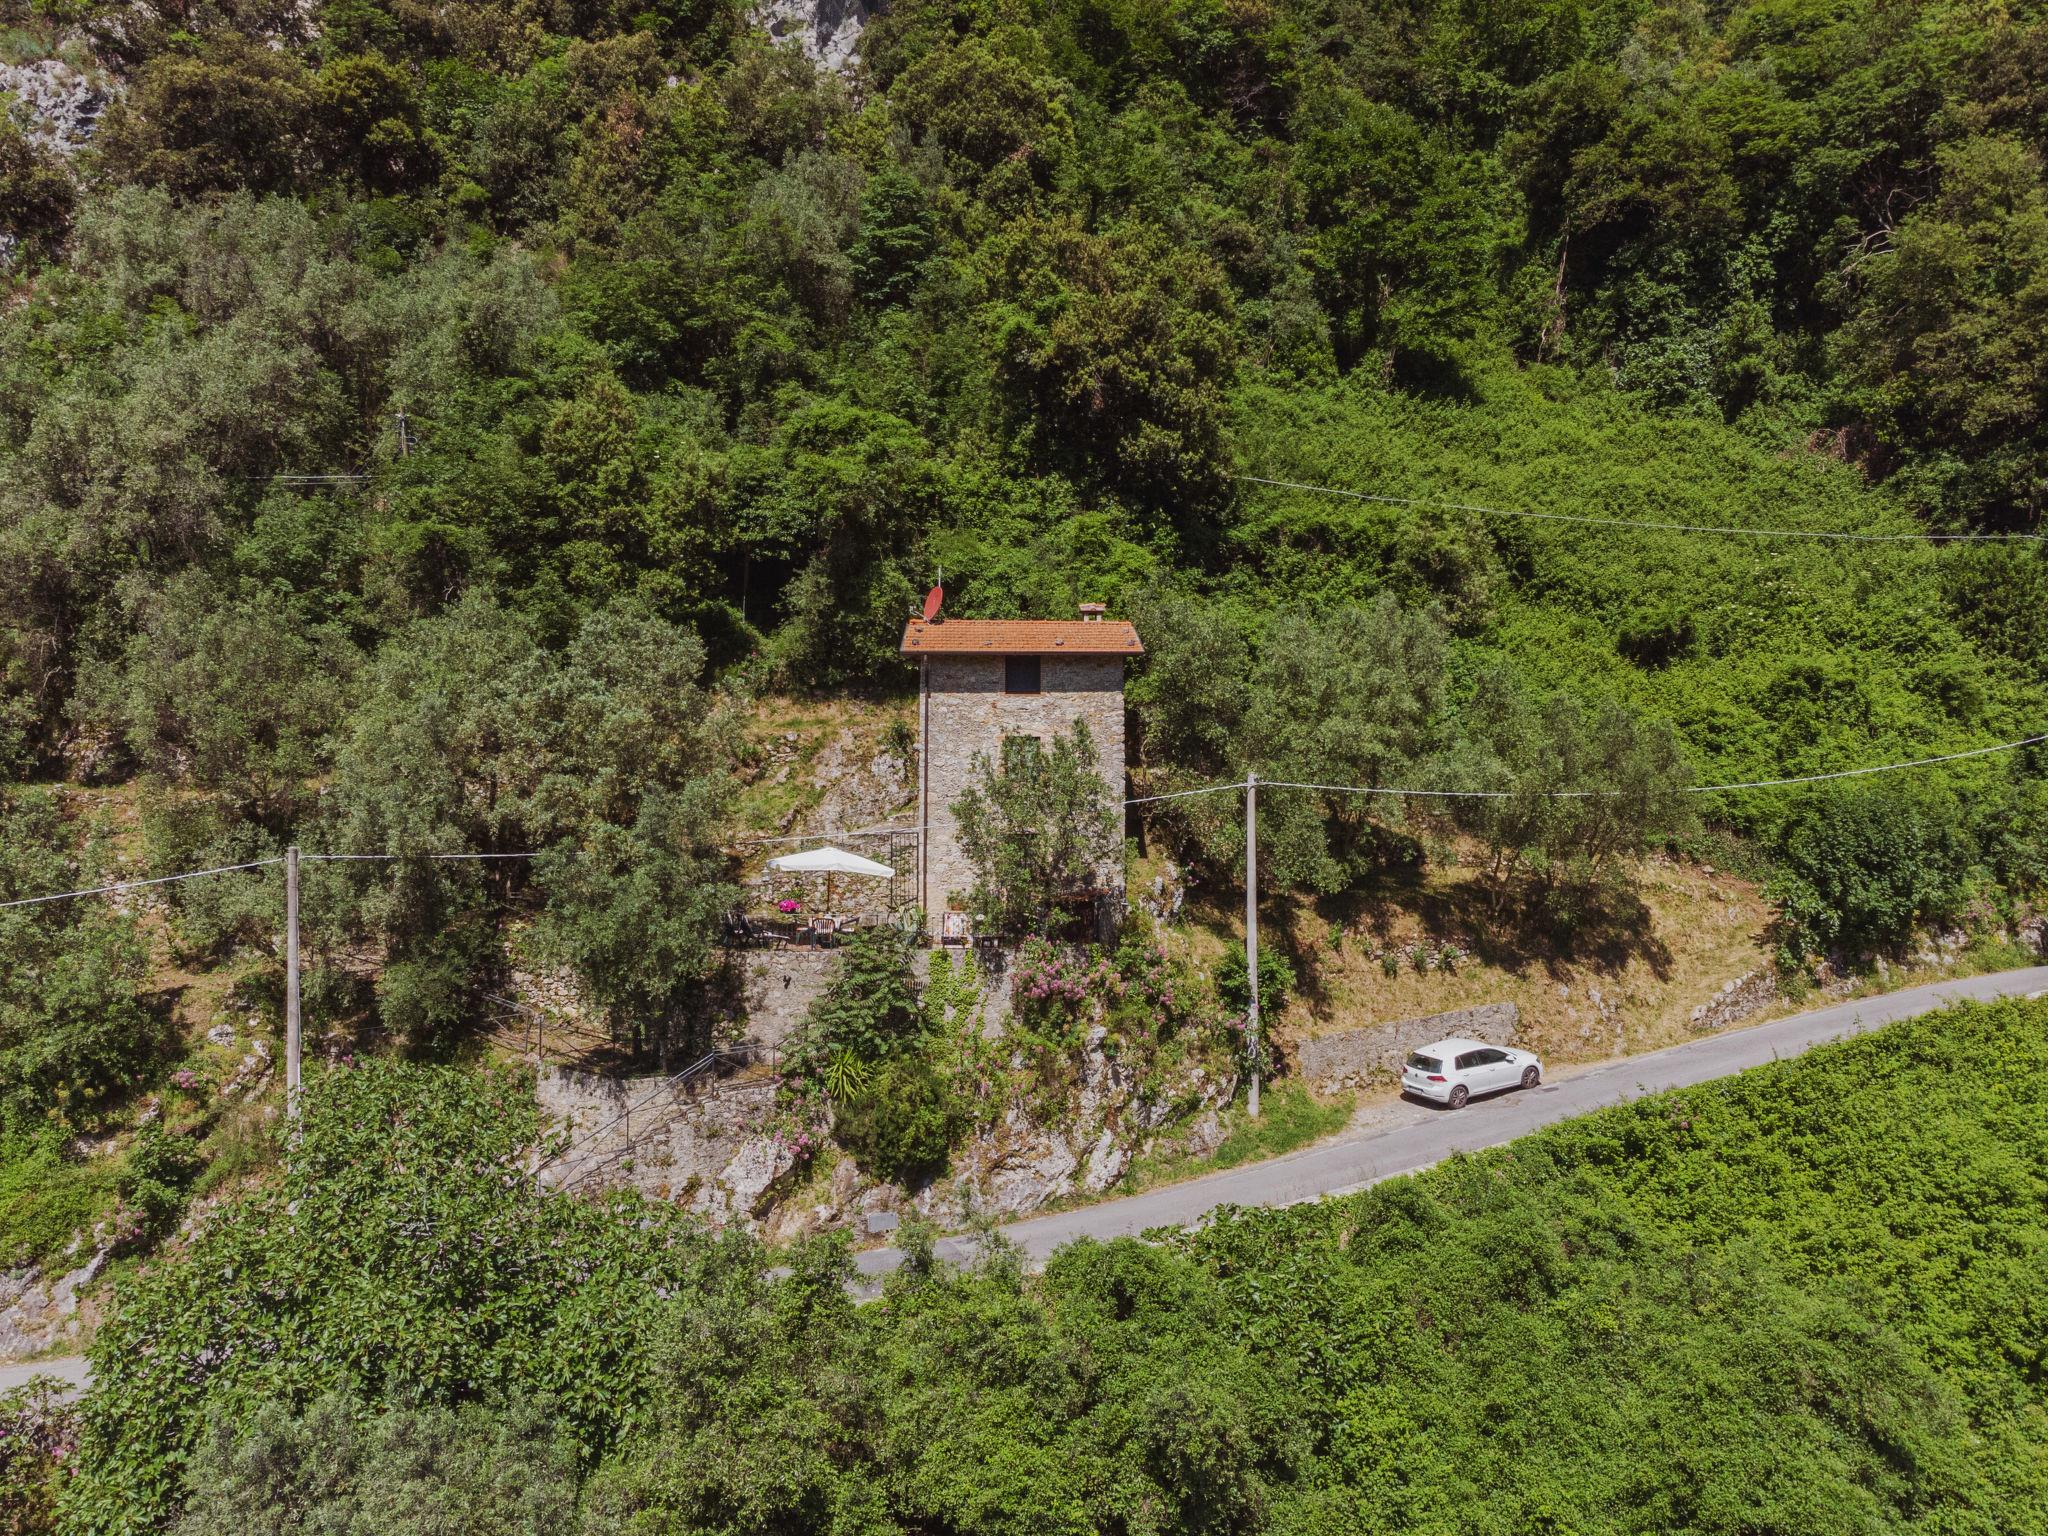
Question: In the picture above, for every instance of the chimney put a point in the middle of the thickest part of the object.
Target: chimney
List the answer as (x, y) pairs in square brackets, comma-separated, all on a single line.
[(1091, 613)]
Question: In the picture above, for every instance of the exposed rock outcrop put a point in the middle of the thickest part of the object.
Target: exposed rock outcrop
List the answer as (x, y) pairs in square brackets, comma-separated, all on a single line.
[(828, 31), (39, 1312), (60, 103)]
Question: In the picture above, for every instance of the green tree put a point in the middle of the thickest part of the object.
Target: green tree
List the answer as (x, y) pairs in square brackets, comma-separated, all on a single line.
[(1038, 827), (1351, 698), (35, 194), (1563, 793), (1115, 351), (227, 692), (1939, 351), (606, 760), (344, 1465), (75, 1034), (229, 114), (870, 1009), (902, 1122), (1865, 865)]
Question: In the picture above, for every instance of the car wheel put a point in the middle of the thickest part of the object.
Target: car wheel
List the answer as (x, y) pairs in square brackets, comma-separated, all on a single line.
[(1531, 1076), (1458, 1097)]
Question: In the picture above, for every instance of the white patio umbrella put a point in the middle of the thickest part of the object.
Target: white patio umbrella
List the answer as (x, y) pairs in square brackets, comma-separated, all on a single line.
[(829, 861)]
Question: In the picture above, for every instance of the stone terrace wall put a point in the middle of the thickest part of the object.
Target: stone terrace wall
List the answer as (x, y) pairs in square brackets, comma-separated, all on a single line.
[(1350, 1060), (692, 1142), (971, 714)]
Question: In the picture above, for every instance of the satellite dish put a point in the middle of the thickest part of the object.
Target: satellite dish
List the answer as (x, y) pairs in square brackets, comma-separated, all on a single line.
[(932, 599)]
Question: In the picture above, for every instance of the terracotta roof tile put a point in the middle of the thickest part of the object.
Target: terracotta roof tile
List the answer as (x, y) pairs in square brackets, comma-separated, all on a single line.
[(1021, 637)]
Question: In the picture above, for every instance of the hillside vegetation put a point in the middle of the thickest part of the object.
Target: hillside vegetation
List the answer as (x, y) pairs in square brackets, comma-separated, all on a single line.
[(437, 429), (1802, 1299)]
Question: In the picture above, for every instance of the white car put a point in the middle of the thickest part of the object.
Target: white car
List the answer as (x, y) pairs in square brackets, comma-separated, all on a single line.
[(1454, 1070)]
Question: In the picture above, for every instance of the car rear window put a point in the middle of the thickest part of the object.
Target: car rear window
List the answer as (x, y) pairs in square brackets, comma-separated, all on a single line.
[(1422, 1063)]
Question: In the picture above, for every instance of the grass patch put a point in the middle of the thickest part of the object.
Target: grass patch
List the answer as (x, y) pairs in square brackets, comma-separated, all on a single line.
[(1290, 1117), (242, 1143)]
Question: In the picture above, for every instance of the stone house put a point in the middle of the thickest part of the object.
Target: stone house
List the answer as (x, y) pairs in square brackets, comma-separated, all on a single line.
[(981, 680)]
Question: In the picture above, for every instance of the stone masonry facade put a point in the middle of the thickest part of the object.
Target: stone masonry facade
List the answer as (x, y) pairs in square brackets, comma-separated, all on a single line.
[(967, 712)]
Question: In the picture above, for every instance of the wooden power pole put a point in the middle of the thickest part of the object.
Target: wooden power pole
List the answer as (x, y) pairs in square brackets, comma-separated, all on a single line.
[(1251, 933), (291, 981)]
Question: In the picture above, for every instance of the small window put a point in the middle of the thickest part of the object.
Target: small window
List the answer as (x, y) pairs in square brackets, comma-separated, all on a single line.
[(1020, 674), (1422, 1063), (1469, 1060)]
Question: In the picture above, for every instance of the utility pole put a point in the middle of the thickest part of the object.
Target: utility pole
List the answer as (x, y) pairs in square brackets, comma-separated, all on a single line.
[(404, 438), (291, 981), (1251, 932)]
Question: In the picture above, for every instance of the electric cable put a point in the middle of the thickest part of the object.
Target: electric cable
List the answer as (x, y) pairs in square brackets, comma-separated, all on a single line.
[(1650, 525)]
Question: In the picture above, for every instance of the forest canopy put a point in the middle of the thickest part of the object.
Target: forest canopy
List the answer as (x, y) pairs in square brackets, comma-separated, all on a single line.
[(381, 378)]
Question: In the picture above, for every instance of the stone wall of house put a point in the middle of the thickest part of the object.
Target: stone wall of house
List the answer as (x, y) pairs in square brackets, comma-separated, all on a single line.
[(1350, 1060), (970, 713)]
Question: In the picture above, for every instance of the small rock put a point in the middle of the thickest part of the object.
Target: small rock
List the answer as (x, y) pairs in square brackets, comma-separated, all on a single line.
[(883, 1221), (845, 1180), (1106, 1162), (1206, 1135), (222, 1033), (754, 1171)]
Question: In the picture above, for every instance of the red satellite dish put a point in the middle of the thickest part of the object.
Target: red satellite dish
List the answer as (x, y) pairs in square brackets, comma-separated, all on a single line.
[(932, 599)]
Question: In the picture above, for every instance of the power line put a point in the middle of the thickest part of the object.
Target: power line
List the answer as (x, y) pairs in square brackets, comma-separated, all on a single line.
[(388, 858), (1186, 794), (1179, 794), (1857, 773), (228, 869), (136, 885), (1690, 789), (1652, 525)]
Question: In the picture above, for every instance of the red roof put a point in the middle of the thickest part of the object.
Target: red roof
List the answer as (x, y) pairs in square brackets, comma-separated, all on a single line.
[(1021, 637)]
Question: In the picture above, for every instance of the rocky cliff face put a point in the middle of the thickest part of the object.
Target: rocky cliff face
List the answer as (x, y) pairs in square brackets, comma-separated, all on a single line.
[(828, 31), (59, 103)]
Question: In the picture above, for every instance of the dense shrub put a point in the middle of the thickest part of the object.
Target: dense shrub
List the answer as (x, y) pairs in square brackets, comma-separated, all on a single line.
[(1864, 866), (344, 1465), (75, 1036), (1813, 1286), (404, 1253), (901, 1124)]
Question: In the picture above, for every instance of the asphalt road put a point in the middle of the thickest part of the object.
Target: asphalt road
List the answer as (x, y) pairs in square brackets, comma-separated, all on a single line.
[(1422, 1134), (69, 1368)]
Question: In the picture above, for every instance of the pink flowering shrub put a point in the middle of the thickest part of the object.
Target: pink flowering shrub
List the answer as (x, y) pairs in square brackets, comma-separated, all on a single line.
[(797, 1122), (1144, 1000)]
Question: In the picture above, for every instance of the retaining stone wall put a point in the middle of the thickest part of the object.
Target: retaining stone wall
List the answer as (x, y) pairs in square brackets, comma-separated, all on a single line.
[(1352, 1059)]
